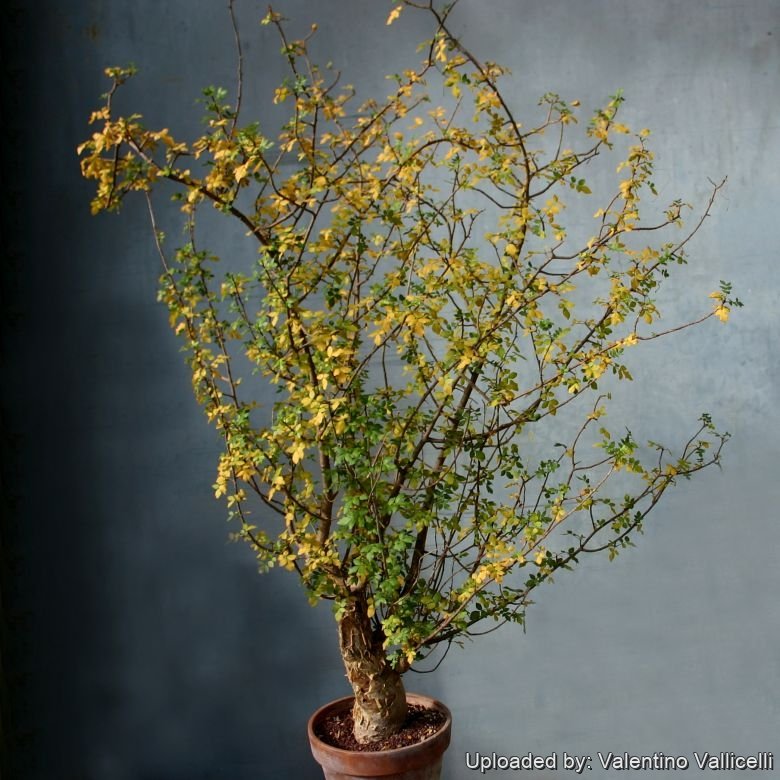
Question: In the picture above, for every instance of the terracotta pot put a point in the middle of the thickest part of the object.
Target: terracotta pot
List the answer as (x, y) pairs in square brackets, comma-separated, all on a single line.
[(415, 762)]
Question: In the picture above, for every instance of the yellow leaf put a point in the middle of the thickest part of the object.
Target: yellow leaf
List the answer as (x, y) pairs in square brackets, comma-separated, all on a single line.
[(722, 313), (394, 14), (297, 451), (553, 206), (441, 56)]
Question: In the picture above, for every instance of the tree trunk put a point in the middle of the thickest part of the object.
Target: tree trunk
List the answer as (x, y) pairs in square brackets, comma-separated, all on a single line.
[(380, 699)]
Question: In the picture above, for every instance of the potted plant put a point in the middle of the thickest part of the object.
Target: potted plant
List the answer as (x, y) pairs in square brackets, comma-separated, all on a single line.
[(421, 304)]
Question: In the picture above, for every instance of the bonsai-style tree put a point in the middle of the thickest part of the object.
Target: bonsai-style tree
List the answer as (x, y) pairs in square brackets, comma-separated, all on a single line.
[(421, 304)]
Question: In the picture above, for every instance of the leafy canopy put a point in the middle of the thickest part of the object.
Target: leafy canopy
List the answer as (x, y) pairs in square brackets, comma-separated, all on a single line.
[(419, 304)]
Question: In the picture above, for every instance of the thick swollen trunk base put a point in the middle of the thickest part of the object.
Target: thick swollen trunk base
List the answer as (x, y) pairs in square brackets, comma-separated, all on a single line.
[(380, 698)]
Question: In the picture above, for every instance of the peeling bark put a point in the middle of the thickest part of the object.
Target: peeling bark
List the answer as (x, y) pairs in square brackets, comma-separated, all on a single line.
[(380, 698)]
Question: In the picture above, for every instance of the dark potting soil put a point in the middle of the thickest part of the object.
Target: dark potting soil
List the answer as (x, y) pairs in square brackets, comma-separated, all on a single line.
[(421, 723)]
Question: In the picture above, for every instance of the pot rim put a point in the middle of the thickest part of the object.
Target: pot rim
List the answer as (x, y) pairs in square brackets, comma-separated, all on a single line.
[(442, 735)]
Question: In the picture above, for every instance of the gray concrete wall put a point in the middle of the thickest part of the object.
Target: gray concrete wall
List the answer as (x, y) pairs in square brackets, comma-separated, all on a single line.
[(145, 647)]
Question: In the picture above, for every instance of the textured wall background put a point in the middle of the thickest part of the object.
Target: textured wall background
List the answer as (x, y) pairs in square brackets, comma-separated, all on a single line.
[(142, 646)]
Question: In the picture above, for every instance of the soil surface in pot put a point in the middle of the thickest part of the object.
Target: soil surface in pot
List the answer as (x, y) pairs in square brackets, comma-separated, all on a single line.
[(420, 723)]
